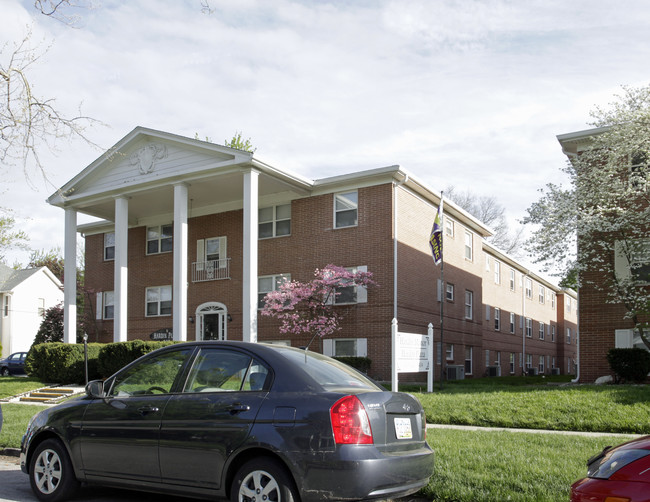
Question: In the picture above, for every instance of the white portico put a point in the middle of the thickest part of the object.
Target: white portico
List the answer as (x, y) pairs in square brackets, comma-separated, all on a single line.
[(150, 177)]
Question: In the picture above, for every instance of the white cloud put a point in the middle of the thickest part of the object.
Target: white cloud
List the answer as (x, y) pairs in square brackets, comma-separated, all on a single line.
[(470, 93)]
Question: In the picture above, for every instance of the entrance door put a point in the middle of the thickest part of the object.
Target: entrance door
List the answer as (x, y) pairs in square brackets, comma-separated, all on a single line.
[(212, 322)]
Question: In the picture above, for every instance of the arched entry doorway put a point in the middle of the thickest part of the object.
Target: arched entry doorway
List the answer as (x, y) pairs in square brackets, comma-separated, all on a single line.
[(212, 321)]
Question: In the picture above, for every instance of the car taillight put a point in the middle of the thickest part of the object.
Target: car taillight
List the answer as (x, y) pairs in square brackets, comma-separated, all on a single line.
[(350, 422)]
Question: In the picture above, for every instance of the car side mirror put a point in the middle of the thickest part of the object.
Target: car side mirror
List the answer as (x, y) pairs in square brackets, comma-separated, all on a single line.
[(95, 389)]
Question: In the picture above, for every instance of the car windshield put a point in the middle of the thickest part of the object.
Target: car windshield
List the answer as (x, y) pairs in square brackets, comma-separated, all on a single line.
[(328, 372)]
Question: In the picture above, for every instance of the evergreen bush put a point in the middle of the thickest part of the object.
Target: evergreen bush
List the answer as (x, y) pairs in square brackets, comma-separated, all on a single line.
[(62, 363), (629, 365)]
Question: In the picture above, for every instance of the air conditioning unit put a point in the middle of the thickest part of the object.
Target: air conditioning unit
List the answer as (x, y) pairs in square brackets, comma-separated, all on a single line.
[(455, 372), (532, 371), (555, 371), (494, 371)]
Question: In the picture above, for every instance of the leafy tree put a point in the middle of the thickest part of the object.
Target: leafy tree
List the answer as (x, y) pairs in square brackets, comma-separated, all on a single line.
[(51, 259), (10, 238), (239, 143), (489, 211), (306, 307), (51, 329), (602, 217)]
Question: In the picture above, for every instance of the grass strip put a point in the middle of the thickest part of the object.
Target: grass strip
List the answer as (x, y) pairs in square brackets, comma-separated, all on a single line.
[(497, 466)]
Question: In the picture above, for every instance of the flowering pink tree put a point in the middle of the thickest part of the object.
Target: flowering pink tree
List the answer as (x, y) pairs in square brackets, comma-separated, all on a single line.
[(306, 307)]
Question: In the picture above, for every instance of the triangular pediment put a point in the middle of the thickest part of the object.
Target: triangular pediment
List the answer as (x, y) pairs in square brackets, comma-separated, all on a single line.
[(146, 157)]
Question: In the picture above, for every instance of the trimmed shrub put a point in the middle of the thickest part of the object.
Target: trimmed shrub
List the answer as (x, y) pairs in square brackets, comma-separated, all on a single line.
[(360, 363), (629, 365), (114, 356), (62, 362)]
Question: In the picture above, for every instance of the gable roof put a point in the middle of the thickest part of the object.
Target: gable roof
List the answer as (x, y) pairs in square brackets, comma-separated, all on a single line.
[(10, 278)]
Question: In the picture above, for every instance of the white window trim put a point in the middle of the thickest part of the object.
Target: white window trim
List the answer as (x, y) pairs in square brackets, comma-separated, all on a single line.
[(276, 278), (513, 321), (469, 247), (360, 346), (274, 221), (469, 304), (497, 319), (146, 302), (497, 272), (105, 246), (336, 195), (159, 239), (361, 292)]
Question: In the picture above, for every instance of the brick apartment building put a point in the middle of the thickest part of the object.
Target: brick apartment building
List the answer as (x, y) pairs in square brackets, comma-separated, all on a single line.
[(603, 325), (191, 235)]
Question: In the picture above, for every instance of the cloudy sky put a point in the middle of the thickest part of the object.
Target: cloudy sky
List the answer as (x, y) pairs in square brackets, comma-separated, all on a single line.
[(470, 93)]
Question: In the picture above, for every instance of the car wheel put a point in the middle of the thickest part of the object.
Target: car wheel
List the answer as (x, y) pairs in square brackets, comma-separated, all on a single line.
[(4, 372), (263, 480), (51, 473)]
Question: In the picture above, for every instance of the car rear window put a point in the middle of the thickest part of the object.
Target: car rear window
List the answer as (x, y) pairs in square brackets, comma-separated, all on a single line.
[(328, 372)]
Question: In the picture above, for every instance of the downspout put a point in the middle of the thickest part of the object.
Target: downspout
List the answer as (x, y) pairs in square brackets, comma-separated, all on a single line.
[(396, 185), (577, 378)]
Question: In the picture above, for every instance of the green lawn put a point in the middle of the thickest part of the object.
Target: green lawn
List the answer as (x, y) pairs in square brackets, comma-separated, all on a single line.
[(532, 403), (12, 386), (476, 466), (497, 466)]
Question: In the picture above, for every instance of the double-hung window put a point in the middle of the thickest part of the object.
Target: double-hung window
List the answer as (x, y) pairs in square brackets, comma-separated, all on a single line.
[(346, 209), (449, 294), (529, 288), (568, 336), (497, 272), (512, 279), (542, 294), (159, 301), (512, 322), (552, 333), (160, 239), (352, 293), (529, 327), (109, 246), (542, 330), (268, 283), (449, 227), (275, 221), (468, 360), (469, 246), (345, 347), (469, 304), (108, 305), (512, 363), (497, 319)]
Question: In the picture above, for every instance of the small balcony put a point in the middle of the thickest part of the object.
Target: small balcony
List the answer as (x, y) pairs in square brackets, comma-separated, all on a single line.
[(213, 270)]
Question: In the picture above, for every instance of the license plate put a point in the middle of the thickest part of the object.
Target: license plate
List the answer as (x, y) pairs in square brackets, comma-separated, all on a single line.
[(403, 428)]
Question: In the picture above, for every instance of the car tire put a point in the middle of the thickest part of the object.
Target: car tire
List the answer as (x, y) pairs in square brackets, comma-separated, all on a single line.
[(50, 472), (4, 372), (262, 480)]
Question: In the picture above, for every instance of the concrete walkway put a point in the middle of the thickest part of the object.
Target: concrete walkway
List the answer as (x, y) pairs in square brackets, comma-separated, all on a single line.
[(532, 431)]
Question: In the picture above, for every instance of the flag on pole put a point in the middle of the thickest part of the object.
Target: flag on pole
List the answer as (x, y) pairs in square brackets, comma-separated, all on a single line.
[(435, 239)]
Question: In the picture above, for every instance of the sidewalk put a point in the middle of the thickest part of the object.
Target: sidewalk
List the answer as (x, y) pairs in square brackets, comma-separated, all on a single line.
[(532, 431)]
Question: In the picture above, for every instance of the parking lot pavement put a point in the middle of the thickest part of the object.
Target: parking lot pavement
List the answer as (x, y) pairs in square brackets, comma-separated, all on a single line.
[(15, 488)]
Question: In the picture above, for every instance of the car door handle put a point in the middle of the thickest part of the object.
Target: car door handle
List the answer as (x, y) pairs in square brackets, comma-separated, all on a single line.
[(238, 408), (145, 410)]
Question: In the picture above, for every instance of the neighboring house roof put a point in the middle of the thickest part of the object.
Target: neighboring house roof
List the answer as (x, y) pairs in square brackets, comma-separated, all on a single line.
[(10, 278)]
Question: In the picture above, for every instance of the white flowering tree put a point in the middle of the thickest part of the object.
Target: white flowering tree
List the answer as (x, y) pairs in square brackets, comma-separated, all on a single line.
[(600, 223)]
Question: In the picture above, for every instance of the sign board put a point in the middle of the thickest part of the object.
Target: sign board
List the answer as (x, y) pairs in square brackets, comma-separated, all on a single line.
[(412, 353), (163, 334)]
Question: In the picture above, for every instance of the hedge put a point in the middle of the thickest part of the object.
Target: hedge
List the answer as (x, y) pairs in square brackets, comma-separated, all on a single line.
[(58, 362), (360, 363), (114, 356), (630, 365)]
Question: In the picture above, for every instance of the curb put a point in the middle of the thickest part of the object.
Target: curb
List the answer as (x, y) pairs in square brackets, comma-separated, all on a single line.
[(10, 452)]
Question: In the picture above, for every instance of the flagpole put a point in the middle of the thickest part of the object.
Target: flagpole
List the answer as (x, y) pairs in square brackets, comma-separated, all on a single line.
[(435, 242), (442, 295)]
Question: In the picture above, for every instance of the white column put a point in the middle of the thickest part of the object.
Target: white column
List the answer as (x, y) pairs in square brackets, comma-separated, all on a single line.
[(180, 263), (121, 284), (249, 294), (70, 274)]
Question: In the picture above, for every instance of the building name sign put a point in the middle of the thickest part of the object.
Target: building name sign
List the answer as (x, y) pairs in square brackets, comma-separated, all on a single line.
[(412, 353), (164, 334)]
